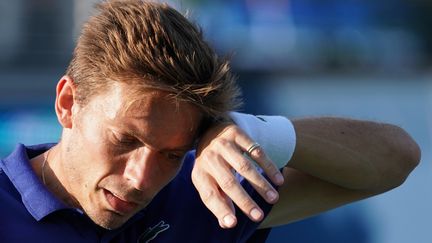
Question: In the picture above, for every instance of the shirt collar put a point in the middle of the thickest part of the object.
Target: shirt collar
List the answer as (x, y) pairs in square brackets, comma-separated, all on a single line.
[(38, 200)]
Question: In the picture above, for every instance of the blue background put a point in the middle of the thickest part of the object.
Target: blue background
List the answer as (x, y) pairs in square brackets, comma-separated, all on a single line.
[(362, 59)]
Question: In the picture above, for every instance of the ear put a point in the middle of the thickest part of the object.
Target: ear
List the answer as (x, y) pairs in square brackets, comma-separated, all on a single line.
[(65, 93)]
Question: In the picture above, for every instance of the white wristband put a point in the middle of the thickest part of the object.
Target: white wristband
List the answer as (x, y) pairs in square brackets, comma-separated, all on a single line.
[(275, 134)]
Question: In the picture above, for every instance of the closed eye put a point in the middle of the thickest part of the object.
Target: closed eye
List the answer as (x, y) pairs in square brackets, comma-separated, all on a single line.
[(125, 140), (175, 157)]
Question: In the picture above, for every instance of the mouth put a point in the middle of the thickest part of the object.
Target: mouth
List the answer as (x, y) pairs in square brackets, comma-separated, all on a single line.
[(120, 206)]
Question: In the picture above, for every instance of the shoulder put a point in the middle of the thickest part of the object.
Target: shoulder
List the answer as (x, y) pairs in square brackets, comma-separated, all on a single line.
[(7, 188)]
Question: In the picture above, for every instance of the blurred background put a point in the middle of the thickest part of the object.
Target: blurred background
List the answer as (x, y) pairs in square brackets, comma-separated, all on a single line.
[(362, 59)]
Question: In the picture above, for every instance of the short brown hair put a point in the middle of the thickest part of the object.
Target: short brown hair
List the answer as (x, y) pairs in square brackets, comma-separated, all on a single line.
[(151, 44)]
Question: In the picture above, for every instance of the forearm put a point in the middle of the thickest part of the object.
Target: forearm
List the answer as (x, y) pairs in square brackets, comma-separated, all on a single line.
[(354, 154)]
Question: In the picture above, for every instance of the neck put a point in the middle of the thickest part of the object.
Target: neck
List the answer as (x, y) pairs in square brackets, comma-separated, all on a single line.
[(46, 166)]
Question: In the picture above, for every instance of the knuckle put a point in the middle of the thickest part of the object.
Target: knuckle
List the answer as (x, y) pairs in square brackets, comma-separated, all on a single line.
[(210, 155), (258, 153), (232, 130), (261, 185), (244, 166), (196, 175), (235, 129), (245, 203), (267, 165), (222, 143), (208, 195), (228, 183)]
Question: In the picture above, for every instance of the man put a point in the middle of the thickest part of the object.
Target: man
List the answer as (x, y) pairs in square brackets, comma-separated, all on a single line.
[(142, 91)]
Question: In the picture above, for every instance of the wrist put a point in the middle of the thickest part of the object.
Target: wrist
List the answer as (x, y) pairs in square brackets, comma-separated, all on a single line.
[(275, 134)]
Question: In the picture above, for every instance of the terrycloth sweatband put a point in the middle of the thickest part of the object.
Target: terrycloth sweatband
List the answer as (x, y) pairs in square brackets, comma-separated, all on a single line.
[(275, 134)]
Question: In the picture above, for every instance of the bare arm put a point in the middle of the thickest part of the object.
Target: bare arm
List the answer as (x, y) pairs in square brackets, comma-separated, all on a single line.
[(338, 161)]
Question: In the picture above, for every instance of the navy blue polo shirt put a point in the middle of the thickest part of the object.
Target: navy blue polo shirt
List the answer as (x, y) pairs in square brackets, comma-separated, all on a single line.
[(31, 213)]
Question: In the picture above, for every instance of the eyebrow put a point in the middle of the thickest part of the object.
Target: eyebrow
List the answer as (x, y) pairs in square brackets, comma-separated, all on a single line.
[(180, 148)]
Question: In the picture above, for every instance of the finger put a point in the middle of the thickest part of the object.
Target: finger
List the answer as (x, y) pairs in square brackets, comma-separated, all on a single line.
[(215, 200), (247, 169), (260, 157), (228, 220), (270, 169), (232, 188)]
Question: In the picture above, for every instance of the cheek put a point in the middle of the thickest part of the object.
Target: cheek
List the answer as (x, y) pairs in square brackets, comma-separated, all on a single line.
[(169, 171), (161, 175), (96, 151), (88, 162)]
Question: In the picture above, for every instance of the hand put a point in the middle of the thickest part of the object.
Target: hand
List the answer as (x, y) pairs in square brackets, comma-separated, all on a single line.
[(219, 154)]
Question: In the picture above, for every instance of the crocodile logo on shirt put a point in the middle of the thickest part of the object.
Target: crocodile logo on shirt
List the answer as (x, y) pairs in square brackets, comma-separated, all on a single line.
[(152, 232)]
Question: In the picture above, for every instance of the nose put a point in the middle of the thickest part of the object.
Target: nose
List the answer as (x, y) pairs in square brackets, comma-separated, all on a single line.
[(140, 167)]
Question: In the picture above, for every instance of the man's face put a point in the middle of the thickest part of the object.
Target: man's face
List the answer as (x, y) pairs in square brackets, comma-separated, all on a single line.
[(118, 159)]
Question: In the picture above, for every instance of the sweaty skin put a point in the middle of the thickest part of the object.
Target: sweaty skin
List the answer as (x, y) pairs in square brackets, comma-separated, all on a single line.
[(114, 158)]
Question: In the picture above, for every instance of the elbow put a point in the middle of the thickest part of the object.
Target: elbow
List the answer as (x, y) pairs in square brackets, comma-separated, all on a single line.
[(413, 156), (404, 154), (409, 159)]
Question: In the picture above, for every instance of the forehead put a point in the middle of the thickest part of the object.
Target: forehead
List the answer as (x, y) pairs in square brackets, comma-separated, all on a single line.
[(147, 102), (149, 111), (133, 100)]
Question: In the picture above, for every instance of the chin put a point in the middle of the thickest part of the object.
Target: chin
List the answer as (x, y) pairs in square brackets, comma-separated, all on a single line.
[(110, 223), (108, 220)]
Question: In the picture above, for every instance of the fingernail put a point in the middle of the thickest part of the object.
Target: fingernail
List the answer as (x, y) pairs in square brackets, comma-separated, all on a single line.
[(279, 179), (229, 220), (256, 214), (271, 196)]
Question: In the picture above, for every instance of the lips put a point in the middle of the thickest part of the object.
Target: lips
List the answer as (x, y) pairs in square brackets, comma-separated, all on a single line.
[(119, 205)]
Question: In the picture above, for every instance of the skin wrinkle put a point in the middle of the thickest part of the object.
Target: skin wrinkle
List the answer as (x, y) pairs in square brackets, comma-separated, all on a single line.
[(134, 173), (141, 84)]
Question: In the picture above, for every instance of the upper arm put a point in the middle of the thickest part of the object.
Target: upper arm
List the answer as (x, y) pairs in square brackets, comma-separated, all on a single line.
[(302, 196), (335, 161), (338, 161)]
